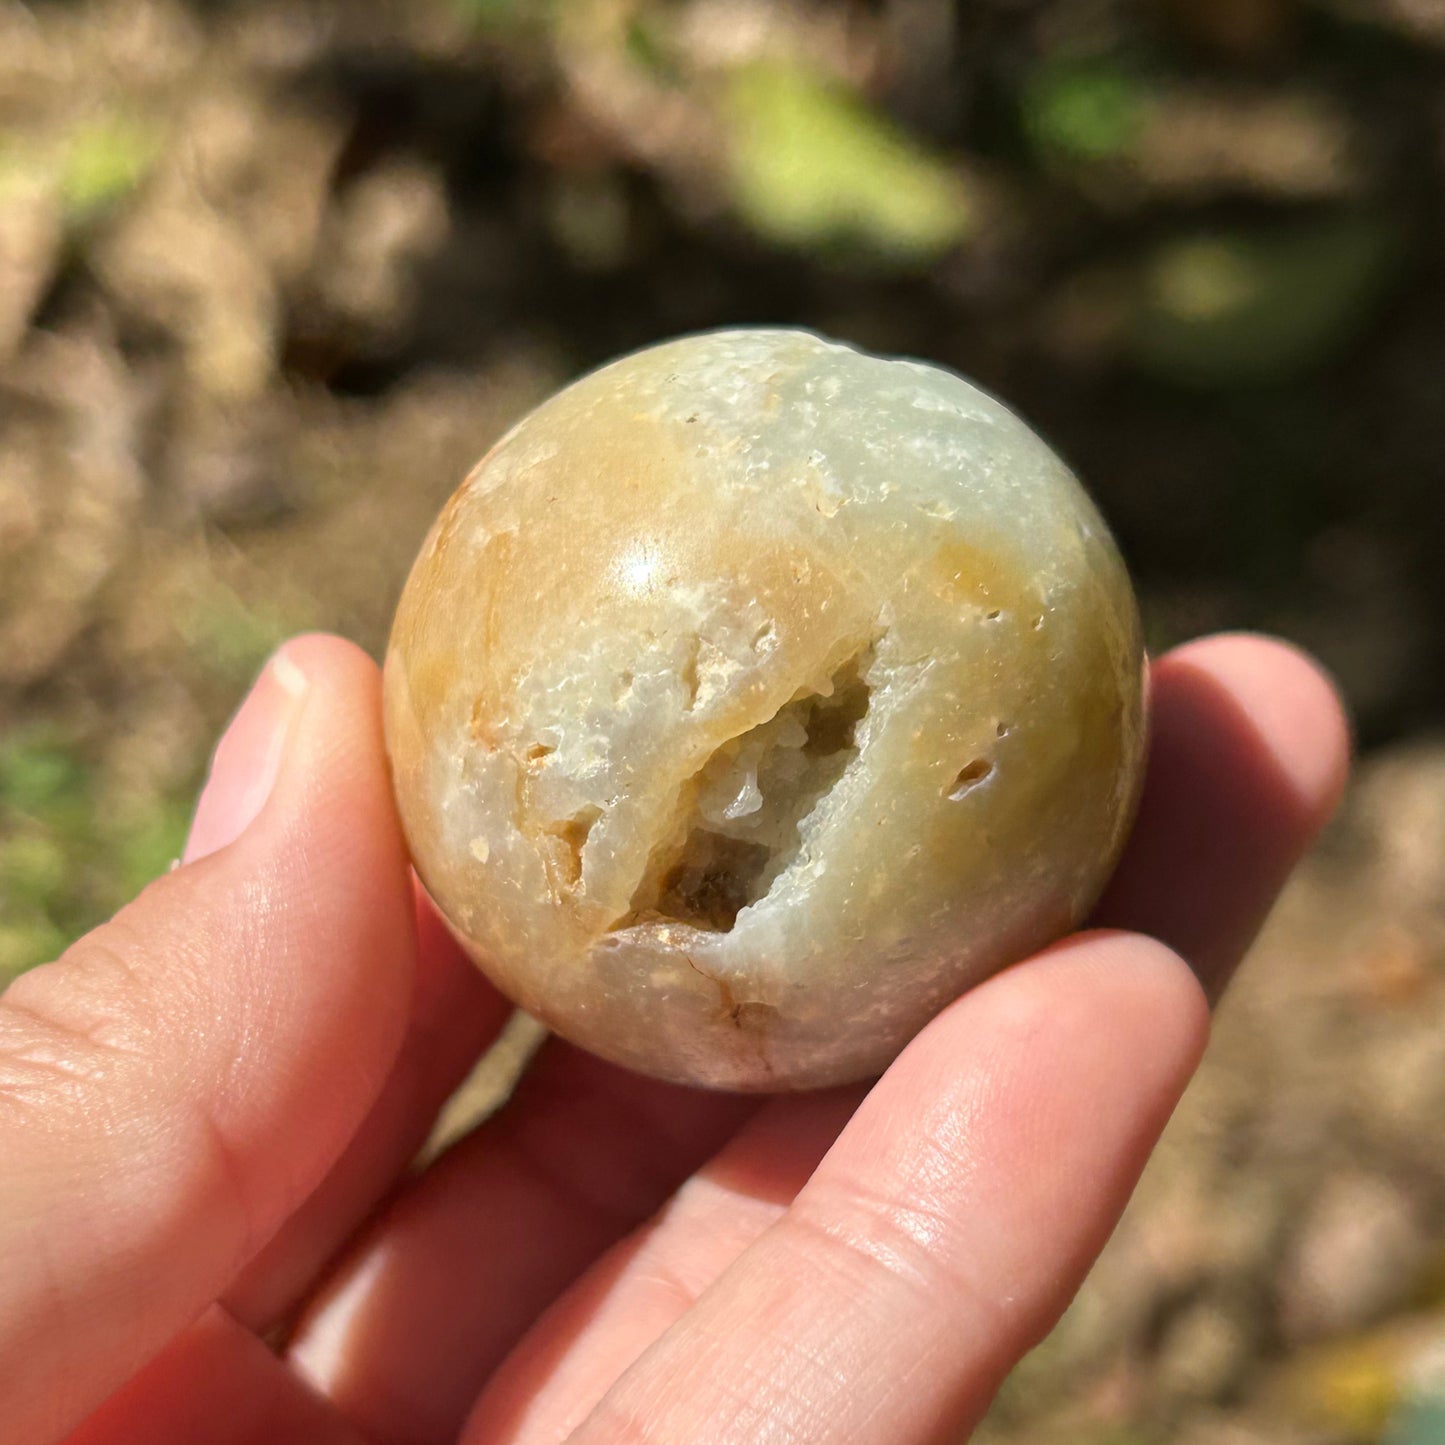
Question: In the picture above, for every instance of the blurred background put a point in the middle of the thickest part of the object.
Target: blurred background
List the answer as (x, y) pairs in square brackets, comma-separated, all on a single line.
[(272, 275)]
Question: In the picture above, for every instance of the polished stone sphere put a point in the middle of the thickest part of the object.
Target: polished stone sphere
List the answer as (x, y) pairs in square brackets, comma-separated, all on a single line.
[(754, 697)]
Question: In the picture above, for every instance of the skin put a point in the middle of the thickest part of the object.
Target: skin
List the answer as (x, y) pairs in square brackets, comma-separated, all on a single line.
[(208, 1106)]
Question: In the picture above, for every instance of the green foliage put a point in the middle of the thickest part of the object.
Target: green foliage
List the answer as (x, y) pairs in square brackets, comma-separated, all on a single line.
[(1083, 110), (646, 49), (1241, 309), (26, 941), (39, 775), (103, 161), (148, 847), (505, 14), (813, 165), (32, 867), (67, 860), (232, 637), (86, 171), (44, 799), (73, 849)]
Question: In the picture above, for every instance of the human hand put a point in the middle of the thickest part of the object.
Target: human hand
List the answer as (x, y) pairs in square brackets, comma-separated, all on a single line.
[(208, 1108)]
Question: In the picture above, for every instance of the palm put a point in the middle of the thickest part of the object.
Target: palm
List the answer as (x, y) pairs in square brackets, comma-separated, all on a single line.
[(611, 1258)]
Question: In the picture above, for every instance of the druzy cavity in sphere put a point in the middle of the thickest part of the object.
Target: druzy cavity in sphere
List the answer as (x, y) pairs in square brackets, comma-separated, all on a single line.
[(754, 697)]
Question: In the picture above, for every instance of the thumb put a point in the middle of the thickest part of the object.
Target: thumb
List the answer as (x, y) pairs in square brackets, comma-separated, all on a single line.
[(176, 1084)]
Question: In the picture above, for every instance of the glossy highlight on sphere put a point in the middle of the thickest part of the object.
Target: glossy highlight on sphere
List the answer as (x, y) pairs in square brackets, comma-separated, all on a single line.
[(754, 697)]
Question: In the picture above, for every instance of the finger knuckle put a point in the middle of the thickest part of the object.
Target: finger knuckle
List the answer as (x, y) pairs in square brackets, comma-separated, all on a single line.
[(908, 1241), (69, 1029)]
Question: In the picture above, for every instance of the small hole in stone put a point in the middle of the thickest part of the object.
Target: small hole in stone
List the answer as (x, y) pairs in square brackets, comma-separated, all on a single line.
[(1038, 624), (994, 615), (969, 777), (1001, 730), (538, 751)]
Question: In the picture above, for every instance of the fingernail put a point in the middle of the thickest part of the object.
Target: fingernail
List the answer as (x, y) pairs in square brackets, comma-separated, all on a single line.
[(247, 759)]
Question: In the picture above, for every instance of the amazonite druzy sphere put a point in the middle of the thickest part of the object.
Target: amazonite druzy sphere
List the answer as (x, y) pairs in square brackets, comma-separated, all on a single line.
[(756, 696)]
